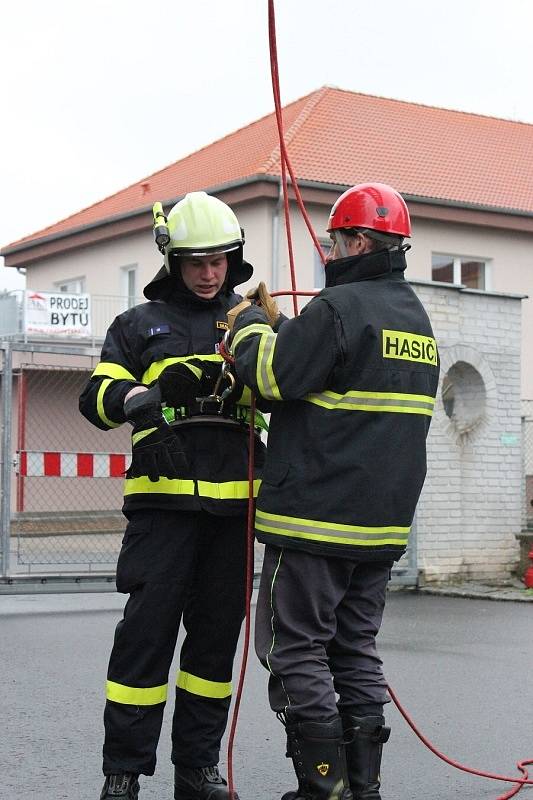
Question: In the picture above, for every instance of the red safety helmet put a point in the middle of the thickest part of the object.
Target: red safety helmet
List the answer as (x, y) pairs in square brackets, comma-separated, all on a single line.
[(371, 206)]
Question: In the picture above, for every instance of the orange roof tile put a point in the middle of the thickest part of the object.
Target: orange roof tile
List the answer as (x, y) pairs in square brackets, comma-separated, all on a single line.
[(339, 137)]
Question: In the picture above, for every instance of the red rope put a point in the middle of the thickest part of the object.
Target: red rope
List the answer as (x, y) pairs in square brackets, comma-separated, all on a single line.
[(279, 119), (283, 149), (521, 764), (249, 579)]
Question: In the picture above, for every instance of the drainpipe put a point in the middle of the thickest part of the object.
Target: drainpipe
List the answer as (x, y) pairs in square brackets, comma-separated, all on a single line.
[(275, 238)]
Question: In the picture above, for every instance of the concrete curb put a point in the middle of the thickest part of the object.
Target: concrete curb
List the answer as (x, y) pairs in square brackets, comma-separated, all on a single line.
[(515, 593)]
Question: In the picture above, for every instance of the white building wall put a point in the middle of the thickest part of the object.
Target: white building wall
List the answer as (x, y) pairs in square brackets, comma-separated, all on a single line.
[(470, 508)]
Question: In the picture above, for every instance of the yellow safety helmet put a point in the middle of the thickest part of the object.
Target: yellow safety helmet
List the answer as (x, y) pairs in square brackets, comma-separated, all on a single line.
[(199, 225)]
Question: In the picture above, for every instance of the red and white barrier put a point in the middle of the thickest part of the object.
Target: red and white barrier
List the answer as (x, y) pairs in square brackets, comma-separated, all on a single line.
[(41, 464)]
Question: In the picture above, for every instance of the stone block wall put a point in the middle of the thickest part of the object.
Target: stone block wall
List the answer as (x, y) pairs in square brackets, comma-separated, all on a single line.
[(471, 506)]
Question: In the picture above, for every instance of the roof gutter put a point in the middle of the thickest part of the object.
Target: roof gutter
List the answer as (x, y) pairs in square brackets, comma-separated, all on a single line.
[(257, 178), (25, 245)]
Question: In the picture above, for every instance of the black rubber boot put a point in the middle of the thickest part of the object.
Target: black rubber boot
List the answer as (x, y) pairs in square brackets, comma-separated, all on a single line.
[(200, 783), (116, 786), (364, 737), (317, 752)]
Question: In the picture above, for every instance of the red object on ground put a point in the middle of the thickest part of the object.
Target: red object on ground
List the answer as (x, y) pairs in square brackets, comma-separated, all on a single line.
[(528, 577)]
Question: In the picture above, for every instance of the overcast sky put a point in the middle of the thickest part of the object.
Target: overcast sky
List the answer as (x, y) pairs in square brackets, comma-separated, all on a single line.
[(95, 96)]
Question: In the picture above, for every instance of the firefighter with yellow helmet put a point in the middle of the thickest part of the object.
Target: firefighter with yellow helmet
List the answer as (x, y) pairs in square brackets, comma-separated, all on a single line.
[(185, 498), (354, 380)]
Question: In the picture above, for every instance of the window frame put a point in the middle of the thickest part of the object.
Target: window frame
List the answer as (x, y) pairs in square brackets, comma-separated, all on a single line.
[(129, 297), (457, 268), (68, 283), (318, 267)]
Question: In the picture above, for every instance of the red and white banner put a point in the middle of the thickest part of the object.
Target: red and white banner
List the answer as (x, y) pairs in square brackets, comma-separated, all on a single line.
[(39, 464)]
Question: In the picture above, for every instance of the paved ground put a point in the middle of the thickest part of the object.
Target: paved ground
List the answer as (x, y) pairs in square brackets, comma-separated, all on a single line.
[(461, 667)]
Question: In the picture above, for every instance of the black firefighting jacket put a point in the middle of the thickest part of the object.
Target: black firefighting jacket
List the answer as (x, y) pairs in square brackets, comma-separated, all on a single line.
[(140, 343), (355, 377)]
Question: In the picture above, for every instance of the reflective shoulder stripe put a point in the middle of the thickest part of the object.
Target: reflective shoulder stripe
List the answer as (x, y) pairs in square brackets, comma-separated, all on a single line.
[(338, 533), (135, 695), (137, 437), (229, 490), (394, 402), (154, 370), (111, 370), (144, 485), (100, 404), (195, 685)]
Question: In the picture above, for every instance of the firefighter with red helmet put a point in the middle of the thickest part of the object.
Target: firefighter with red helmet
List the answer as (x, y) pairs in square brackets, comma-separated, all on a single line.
[(186, 497), (353, 380)]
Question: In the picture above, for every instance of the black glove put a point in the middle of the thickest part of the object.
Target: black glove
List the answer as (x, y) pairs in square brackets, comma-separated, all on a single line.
[(143, 410), (157, 454), (179, 384), (183, 382)]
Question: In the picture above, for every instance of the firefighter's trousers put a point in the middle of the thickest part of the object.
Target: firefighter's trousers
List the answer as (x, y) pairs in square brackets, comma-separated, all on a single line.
[(174, 565), (316, 623)]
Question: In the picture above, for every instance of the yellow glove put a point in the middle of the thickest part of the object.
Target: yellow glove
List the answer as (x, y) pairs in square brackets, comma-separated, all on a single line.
[(262, 298), (233, 312)]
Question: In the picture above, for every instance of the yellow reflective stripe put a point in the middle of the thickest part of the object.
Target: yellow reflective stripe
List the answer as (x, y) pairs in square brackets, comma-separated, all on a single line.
[(394, 402), (111, 370), (266, 381), (100, 404), (144, 485), (246, 397), (319, 531), (136, 696), (230, 490), (195, 685), (136, 437), (196, 371), (257, 327), (154, 370)]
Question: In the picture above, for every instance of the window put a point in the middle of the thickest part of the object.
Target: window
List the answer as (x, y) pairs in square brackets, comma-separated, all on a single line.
[(470, 272), (319, 277), (71, 286), (129, 284)]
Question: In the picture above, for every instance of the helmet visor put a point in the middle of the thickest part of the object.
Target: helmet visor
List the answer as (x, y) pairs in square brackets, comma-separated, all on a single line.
[(204, 251)]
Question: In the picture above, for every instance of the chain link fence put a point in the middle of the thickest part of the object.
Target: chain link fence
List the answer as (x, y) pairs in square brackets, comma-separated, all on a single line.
[(62, 478)]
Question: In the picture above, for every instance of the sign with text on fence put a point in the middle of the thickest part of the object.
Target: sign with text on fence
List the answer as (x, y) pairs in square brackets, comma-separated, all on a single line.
[(57, 313)]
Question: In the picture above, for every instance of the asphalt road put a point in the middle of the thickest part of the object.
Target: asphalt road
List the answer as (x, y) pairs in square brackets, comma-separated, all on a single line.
[(462, 668)]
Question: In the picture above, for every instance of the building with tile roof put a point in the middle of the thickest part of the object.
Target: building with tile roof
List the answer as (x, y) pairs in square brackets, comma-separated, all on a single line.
[(468, 182)]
